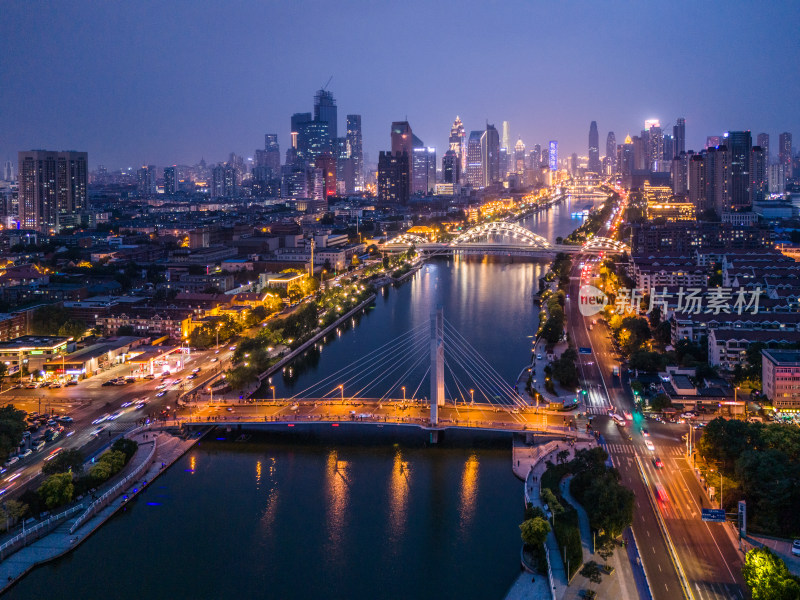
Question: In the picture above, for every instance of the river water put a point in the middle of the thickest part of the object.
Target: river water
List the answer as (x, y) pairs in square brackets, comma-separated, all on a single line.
[(383, 517)]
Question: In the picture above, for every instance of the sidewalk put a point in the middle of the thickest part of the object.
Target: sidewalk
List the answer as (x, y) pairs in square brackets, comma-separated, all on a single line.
[(615, 585), (60, 541)]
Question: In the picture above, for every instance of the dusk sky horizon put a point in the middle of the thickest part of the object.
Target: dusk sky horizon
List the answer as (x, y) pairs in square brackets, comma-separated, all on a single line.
[(155, 83)]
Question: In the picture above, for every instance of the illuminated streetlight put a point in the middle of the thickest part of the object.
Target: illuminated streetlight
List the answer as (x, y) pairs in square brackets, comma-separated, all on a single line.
[(472, 397), (341, 387), (404, 393)]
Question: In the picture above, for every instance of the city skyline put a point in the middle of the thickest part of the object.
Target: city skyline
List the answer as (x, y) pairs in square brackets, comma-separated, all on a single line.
[(146, 93)]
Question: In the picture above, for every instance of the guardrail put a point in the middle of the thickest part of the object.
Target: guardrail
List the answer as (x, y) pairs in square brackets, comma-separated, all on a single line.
[(550, 573), (109, 495), (22, 539)]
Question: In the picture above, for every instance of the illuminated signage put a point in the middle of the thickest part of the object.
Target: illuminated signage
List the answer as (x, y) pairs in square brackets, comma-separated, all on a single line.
[(553, 155)]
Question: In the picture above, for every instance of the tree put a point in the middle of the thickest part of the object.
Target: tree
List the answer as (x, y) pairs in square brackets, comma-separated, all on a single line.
[(65, 461), (126, 446), (767, 576), (126, 330), (534, 531), (562, 456), (591, 570), (57, 490), (12, 424), (549, 498), (660, 402)]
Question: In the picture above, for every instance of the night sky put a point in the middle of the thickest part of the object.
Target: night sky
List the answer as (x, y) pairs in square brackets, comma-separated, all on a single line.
[(170, 82)]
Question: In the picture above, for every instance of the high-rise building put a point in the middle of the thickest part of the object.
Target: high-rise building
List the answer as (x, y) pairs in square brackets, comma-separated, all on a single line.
[(272, 153), (296, 121), (146, 181), (490, 155), (669, 151), (451, 167), (679, 134), (519, 157), (8, 171), (552, 158), (776, 179), (656, 149), (223, 181), (785, 153), (712, 141), (423, 170), (170, 180), (536, 157), (458, 144), (593, 165), (680, 173), (474, 174), (639, 153), (697, 182), (313, 139), (758, 174), (326, 163), (52, 188), (394, 185), (402, 138), (762, 140), (739, 145), (626, 160), (573, 164), (506, 141), (718, 179), (611, 153), (354, 141), (325, 112)]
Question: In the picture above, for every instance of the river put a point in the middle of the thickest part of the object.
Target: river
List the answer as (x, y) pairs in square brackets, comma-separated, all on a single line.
[(332, 518)]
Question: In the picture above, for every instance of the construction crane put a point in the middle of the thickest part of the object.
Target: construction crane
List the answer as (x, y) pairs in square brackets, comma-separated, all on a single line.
[(327, 82)]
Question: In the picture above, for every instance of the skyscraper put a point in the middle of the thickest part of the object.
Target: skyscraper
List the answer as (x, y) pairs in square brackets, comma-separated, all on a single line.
[(656, 149), (354, 141), (423, 170), (611, 153), (325, 112), (170, 180), (272, 153), (393, 177), (679, 133), (697, 182), (490, 155), (458, 144), (506, 141), (402, 137), (785, 153), (8, 171), (326, 163), (146, 181), (297, 121), (52, 186), (451, 167), (763, 142), (593, 165), (519, 157), (739, 145), (718, 179), (474, 174), (758, 174)]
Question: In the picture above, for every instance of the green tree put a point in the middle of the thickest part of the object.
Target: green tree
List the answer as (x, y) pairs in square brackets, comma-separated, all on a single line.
[(12, 424), (549, 498), (126, 446), (767, 576), (534, 531), (66, 460), (57, 490), (660, 402)]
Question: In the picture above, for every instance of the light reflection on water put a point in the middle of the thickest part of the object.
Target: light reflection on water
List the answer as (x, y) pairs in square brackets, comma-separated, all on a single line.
[(399, 484), (469, 492), (337, 492)]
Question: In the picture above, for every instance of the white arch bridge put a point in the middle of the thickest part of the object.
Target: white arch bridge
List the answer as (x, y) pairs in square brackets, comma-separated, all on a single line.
[(502, 238)]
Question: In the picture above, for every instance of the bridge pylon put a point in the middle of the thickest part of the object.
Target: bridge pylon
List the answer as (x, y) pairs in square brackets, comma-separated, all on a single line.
[(437, 363)]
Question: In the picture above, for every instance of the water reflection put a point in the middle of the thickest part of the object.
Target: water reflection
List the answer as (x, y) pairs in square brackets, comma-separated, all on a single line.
[(271, 506), (337, 491), (469, 489), (399, 484)]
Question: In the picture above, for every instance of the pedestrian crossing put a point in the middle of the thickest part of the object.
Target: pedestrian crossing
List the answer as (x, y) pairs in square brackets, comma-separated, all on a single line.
[(597, 410), (663, 451)]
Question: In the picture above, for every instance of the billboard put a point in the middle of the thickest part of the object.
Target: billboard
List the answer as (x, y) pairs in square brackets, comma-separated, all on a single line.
[(553, 155)]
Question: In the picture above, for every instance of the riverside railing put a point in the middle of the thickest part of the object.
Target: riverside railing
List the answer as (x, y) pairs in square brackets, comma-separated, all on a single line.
[(108, 496), (24, 538)]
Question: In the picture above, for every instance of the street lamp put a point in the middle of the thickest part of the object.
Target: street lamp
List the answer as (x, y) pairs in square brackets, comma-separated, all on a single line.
[(472, 397), (341, 388), (404, 394), (272, 387)]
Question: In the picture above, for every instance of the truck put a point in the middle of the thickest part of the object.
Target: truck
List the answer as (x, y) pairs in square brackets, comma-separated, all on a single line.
[(615, 370)]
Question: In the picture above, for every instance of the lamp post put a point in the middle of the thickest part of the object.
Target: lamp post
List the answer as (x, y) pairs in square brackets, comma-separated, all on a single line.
[(472, 397), (404, 394), (341, 388)]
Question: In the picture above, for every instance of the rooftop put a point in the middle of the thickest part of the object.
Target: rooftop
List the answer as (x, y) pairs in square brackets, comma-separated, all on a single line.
[(34, 342), (782, 357)]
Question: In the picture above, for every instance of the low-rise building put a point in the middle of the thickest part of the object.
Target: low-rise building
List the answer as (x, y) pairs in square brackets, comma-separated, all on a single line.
[(780, 378), (727, 348), (31, 351)]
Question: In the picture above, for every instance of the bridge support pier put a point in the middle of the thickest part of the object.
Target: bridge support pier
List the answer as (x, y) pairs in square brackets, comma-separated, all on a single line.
[(437, 364)]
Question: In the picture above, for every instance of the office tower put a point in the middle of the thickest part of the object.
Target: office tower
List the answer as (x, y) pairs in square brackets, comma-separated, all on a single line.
[(223, 181), (326, 163), (451, 167), (712, 141), (8, 171), (679, 134), (758, 174), (593, 166), (669, 152), (680, 173), (552, 158), (266, 184), (272, 153), (626, 161), (316, 183), (506, 141), (393, 177), (573, 164), (785, 153), (519, 157), (402, 138), (536, 157), (490, 155), (656, 147), (354, 141), (639, 153), (325, 112), (697, 182), (313, 139), (296, 121), (762, 140), (474, 174), (294, 180), (458, 144), (504, 162), (611, 153), (718, 179), (739, 145), (170, 180), (776, 179), (545, 164), (52, 188), (146, 180), (423, 169)]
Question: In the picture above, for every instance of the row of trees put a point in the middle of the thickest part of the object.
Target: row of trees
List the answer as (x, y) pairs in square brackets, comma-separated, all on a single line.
[(553, 327), (56, 320), (761, 463), (12, 426)]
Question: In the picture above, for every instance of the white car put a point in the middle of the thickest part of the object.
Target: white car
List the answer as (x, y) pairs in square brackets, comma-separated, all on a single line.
[(100, 419), (796, 548), (649, 445)]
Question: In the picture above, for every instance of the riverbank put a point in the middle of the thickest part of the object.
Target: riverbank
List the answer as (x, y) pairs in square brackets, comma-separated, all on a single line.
[(157, 452)]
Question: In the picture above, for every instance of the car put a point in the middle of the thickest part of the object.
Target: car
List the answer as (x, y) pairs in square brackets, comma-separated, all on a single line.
[(196, 370), (657, 462), (39, 445), (126, 404), (107, 383), (54, 386), (661, 493), (139, 406), (539, 357), (161, 386), (27, 453), (72, 382), (796, 548), (100, 419), (161, 393), (645, 432), (149, 376), (232, 348), (97, 431), (215, 359), (11, 460), (649, 445), (116, 415)]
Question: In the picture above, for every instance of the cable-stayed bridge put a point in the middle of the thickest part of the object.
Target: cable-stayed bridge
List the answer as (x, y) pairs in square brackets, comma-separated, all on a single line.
[(429, 377)]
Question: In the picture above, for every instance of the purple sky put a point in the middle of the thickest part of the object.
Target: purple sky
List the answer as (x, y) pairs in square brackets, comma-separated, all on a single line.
[(171, 82)]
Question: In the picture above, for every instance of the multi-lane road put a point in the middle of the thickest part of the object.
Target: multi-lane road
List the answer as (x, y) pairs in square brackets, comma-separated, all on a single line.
[(682, 555)]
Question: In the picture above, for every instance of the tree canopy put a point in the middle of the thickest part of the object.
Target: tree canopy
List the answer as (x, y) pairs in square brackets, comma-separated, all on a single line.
[(767, 576)]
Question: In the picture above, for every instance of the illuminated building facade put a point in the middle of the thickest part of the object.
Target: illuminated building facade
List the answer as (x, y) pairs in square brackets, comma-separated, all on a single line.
[(52, 185)]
